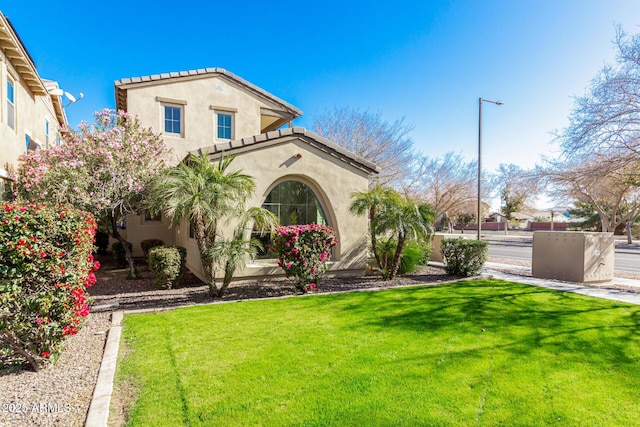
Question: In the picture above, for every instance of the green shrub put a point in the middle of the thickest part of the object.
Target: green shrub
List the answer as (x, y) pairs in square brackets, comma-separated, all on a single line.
[(119, 255), (411, 257), (426, 253), (414, 254), (46, 264), (146, 245), (464, 257), (168, 264)]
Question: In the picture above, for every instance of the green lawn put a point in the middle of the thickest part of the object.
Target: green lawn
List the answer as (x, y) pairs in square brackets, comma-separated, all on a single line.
[(470, 353)]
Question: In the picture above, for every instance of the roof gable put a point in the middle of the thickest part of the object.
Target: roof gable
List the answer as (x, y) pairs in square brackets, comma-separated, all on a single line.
[(122, 85), (282, 135)]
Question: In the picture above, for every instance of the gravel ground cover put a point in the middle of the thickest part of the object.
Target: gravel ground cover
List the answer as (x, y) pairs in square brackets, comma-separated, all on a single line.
[(60, 395)]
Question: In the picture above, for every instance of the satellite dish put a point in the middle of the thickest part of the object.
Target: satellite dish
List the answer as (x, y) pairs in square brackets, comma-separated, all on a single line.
[(70, 97), (80, 95)]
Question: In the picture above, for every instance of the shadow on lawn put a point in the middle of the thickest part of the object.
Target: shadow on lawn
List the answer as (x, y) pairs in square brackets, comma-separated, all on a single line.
[(520, 319)]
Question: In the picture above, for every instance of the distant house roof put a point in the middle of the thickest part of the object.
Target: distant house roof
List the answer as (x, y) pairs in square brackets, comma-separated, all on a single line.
[(269, 138), (123, 84), (19, 57)]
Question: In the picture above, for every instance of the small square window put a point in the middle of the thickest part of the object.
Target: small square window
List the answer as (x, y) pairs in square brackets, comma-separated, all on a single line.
[(173, 119), (225, 121)]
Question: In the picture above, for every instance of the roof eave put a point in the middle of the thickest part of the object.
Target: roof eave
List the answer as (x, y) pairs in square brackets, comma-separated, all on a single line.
[(313, 139), (123, 84), (16, 52)]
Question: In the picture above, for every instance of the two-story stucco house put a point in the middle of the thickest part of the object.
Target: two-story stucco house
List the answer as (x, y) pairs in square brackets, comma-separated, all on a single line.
[(300, 176), (30, 117)]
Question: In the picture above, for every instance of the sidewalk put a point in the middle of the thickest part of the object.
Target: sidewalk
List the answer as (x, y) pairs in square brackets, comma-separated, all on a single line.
[(509, 272)]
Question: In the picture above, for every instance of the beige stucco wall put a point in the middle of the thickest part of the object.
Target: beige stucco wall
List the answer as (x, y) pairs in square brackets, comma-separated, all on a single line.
[(200, 95), (573, 256), (332, 180), (31, 111), (138, 230)]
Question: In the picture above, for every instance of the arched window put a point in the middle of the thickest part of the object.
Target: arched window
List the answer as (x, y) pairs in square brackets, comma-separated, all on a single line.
[(293, 202)]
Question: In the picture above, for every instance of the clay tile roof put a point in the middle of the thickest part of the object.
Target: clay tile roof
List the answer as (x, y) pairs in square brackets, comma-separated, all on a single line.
[(313, 139), (122, 85)]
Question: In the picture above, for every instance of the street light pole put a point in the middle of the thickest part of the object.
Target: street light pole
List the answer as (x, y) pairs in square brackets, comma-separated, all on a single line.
[(480, 101)]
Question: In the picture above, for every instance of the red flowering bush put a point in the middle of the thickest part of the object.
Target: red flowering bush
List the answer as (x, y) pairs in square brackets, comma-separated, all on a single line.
[(303, 252), (46, 265)]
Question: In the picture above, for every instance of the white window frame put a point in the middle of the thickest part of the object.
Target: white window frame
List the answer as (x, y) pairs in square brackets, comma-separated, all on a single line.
[(11, 104), (46, 132)]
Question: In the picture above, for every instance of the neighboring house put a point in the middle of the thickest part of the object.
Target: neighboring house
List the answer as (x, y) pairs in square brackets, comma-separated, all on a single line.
[(30, 117), (530, 218), (300, 176)]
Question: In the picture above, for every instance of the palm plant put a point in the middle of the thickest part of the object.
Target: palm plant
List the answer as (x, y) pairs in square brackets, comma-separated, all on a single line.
[(371, 202), (202, 192), (235, 253), (391, 213)]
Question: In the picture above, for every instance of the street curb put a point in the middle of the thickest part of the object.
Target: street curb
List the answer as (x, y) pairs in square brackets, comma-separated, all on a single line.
[(98, 414)]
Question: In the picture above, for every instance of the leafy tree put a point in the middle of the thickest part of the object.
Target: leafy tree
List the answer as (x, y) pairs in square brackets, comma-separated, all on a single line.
[(369, 136), (207, 193), (103, 168), (464, 219), (395, 215), (590, 218), (515, 186)]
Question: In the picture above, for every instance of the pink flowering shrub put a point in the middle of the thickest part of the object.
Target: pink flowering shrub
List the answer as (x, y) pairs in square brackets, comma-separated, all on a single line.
[(303, 252), (46, 265), (100, 168), (104, 168)]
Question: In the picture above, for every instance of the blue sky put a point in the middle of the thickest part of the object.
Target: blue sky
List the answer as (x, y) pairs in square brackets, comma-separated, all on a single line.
[(426, 61)]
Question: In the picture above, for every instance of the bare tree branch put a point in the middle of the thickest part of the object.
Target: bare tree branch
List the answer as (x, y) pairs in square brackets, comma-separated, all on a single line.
[(369, 136)]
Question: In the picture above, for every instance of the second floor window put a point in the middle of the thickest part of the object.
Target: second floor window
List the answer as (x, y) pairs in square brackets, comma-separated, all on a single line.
[(225, 126), (46, 133), (173, 119), (11, 106)]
